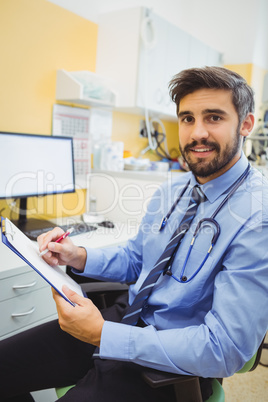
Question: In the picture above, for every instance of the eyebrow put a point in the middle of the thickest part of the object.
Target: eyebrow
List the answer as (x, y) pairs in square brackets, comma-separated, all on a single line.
[(214, 111), (204, 112)]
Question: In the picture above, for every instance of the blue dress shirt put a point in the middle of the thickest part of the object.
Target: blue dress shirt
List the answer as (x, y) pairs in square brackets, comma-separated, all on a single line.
[(212, 325)]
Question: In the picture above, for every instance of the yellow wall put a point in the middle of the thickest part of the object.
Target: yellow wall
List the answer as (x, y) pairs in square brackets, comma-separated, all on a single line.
[(254, 75), (37, 39), (126, 128)]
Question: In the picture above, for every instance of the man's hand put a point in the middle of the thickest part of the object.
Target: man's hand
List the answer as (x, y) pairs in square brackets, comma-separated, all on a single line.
[(84, 321), (62, 253)]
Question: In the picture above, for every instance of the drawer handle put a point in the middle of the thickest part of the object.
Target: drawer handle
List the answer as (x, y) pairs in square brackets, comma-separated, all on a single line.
[(29, 285), (23, 314)]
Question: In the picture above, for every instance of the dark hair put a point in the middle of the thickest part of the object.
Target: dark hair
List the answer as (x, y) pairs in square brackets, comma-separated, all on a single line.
[(192, 79)]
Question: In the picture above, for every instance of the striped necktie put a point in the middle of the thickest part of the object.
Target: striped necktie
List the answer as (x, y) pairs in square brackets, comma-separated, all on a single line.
[(133, 312)]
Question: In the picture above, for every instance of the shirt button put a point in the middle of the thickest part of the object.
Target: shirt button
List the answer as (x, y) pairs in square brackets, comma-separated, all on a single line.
[(145, 305)]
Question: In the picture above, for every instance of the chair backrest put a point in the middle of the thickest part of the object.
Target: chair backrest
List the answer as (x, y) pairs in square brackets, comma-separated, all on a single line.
[(253, 362), (264, 354), (218, 391)]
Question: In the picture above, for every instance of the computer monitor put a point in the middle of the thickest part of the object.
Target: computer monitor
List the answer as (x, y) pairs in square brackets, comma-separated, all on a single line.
[(34, 165)]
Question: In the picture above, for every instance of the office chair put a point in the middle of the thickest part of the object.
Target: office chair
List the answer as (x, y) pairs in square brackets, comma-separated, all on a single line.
[(264, 356), (187, 388)]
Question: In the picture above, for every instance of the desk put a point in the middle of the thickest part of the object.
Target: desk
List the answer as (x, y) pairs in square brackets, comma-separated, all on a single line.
[(121, 198), (25, 298)]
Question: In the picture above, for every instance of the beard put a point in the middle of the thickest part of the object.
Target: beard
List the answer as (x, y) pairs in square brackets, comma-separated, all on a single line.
[(202, 168)]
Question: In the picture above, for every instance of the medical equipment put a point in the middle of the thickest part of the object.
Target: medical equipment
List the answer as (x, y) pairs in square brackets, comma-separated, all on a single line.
[(205, 221), (256, 145)]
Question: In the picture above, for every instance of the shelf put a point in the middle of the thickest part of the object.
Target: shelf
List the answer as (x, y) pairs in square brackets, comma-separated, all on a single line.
[(258, 137), (83, 88)]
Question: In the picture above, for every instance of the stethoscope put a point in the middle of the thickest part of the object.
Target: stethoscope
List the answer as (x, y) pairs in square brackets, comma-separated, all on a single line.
[(205, 221)]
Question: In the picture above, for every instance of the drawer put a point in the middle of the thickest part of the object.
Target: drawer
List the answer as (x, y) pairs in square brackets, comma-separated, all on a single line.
[(24, 310), (20, 284)]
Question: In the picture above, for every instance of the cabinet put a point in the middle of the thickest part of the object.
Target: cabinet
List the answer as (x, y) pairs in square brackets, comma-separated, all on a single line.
[(139, 52), (25, 298), (83, 88)]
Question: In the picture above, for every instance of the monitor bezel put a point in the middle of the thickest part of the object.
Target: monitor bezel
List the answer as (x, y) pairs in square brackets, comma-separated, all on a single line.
[(43, 194)]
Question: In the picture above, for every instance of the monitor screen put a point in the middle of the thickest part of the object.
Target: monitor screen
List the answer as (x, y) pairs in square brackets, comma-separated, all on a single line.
[(35, 165)]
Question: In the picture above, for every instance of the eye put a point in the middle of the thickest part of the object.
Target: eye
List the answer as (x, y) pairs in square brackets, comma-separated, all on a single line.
[(214, 118), (187, 119)]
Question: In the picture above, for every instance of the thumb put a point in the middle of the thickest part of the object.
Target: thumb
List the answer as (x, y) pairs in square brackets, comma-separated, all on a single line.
[(72, 295)]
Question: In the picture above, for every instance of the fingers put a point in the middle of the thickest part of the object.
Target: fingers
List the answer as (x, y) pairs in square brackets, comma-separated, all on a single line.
[(47, 241), (48, 237), (50, 257), (63, 307), (73, 296), (62, 252), (84, 321)]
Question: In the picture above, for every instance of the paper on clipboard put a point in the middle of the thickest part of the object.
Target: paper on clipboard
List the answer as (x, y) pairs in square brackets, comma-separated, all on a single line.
[(28, 251)]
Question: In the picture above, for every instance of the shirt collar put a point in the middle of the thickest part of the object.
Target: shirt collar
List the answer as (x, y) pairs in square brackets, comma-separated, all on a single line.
[(216, 187)]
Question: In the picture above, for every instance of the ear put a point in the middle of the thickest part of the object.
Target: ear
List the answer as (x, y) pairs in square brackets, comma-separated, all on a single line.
[(247, 125)]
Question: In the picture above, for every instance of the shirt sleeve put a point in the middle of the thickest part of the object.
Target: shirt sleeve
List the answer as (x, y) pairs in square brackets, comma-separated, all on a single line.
[(122, 263), (231, 331), (116, 264)]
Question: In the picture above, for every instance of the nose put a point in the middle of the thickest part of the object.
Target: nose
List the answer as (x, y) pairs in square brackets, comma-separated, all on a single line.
[(199, 131)]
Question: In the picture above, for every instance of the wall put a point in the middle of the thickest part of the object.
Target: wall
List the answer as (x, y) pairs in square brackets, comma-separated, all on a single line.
[(126, 128), (237, 28), (255, 78), (37, 38)]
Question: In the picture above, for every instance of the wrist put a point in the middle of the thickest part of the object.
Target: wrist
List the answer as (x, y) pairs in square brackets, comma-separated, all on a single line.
[(97, 340), (80, 259)]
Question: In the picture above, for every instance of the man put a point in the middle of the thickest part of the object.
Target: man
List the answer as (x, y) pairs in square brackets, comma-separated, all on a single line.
[(206, 313)]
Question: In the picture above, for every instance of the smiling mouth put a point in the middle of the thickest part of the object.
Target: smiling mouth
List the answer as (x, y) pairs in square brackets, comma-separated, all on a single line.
[(201, 150)]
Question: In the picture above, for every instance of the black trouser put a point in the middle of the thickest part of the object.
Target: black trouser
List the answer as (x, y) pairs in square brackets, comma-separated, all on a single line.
[(47, 357)]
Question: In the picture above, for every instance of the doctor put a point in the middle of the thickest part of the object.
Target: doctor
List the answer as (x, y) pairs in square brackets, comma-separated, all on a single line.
[(209, 324)]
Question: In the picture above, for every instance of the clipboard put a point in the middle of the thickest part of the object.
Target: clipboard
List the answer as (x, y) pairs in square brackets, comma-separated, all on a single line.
[(28, 251)]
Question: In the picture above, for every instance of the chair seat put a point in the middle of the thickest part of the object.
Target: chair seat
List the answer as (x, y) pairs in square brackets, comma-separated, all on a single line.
[(218, 392), (62, 390), (248, 366)]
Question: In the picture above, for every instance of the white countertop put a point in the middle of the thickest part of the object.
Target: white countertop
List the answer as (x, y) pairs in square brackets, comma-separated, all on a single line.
[(104, 237)]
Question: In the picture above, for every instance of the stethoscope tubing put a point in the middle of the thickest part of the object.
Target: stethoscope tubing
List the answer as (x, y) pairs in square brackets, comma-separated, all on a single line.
[(211, 221)]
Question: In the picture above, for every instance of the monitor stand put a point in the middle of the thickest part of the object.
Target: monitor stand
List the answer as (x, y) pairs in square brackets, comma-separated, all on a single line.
[(28, 224)]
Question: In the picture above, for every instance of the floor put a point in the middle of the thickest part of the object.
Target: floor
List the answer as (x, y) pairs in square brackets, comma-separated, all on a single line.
[(247, 387)]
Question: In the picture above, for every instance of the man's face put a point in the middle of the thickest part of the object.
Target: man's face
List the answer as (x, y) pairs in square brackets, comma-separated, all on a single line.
[(209, 136)]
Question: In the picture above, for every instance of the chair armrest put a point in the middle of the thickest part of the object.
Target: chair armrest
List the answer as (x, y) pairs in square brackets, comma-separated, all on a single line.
[(157, 378), (103, 287), (186, 388), (103, 294)]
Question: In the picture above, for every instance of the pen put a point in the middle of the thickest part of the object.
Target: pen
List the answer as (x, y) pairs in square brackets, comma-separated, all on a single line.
[(69, 231)]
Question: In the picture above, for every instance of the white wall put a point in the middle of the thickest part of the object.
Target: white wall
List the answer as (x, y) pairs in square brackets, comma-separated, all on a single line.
[(261, 40), (237, 28)]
